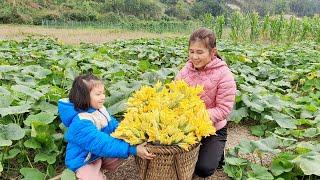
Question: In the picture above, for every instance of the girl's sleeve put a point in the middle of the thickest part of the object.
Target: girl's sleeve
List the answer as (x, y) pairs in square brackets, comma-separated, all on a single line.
[(112, 125), (225, 97), (86, 135)]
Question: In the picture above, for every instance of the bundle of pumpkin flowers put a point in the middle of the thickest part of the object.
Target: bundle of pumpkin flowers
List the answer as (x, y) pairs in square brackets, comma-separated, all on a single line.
[(170, 114)]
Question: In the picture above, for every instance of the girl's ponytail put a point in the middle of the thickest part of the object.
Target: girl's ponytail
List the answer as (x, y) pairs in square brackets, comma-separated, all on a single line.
[(79, 94)]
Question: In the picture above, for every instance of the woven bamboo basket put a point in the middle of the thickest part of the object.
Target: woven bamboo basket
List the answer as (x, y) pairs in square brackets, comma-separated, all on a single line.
[(170, 163)]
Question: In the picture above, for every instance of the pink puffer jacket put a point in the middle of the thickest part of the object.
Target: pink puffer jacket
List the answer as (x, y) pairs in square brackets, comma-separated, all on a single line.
[(219, 88)]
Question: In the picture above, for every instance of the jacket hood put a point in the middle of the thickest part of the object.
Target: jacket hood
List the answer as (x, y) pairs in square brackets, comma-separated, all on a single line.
[(66, 111), (213, 64)]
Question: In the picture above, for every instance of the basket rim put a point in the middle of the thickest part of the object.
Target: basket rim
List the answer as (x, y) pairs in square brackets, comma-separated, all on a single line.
[(168, 149)]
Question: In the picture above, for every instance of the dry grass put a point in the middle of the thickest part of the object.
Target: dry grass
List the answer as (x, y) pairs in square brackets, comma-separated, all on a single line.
[(76, 35)]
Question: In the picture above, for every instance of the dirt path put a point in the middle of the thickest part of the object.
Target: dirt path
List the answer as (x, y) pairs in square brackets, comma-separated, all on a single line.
[(236, 132)]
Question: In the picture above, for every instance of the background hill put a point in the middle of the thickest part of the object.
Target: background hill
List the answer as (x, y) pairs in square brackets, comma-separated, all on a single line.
[(35, 11)]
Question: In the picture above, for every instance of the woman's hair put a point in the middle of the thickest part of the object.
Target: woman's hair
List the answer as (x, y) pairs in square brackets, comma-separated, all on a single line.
[(79, 94), (206, 36)]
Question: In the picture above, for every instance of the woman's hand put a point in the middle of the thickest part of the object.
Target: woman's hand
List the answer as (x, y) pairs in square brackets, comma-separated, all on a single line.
[(143, 153)]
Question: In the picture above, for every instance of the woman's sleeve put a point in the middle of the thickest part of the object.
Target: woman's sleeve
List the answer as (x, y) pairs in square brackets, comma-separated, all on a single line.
[(225, 98), (178, 76), (86, 135)]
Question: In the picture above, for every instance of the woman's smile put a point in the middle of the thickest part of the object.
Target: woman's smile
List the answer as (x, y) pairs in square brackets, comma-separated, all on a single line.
[(199, 54)]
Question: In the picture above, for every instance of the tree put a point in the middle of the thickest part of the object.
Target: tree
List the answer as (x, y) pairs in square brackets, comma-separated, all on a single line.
[(214, 7), (305, 7), (179, 9), (281, 6), (144, 9)]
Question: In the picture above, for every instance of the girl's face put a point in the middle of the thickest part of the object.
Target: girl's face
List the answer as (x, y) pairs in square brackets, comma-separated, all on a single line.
[(97, 96), (199, 54)]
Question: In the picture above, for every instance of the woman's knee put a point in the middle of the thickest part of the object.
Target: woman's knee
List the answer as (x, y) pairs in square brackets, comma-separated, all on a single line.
[(204, 171)]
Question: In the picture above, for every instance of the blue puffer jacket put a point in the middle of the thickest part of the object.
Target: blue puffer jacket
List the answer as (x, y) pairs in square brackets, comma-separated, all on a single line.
[(86, 142)]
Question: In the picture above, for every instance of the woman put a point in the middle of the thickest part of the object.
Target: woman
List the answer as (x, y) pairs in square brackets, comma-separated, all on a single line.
[(205, 67)]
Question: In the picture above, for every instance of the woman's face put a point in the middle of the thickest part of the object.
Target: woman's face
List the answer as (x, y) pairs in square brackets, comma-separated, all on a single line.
[(199, 54)]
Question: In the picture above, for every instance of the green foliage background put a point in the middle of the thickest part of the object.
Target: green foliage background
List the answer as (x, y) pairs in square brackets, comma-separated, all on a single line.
[(34, 12), (278, 90)]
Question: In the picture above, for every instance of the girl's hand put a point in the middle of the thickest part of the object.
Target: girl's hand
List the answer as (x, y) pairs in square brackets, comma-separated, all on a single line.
[(143, 153)]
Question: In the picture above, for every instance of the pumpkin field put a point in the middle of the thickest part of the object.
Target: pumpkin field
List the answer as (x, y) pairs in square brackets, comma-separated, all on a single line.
[(278, 92)]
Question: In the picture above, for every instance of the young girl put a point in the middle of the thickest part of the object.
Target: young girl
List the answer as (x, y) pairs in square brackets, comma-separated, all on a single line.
[(90, 148), (205, 67)]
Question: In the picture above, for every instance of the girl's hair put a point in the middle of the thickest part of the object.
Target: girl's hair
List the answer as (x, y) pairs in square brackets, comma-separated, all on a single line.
[(79, 94), (206, 36)]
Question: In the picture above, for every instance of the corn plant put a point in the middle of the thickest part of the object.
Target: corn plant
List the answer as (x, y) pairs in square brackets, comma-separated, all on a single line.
[(277, 26), (219, 25), (292, 28), (238, 26), (306, 28), (207, 20), (254, 26), (265, 26), (316, 27)]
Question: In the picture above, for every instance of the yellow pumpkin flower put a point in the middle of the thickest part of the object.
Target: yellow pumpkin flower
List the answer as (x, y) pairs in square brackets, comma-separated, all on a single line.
[(170, 114)]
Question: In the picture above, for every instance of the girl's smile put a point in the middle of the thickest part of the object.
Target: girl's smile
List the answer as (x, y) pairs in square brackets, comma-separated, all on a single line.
[(97, 97)]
